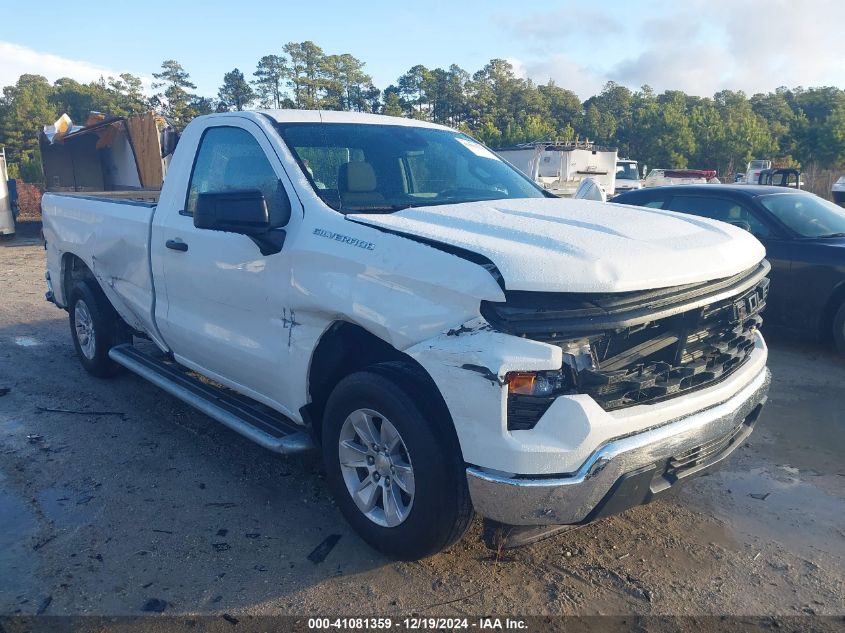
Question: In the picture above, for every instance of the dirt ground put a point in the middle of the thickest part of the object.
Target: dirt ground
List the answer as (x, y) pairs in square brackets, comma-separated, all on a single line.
[(115, 498)]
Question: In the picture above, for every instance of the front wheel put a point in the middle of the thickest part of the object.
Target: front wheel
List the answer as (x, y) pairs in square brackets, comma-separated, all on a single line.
[(395, 473)]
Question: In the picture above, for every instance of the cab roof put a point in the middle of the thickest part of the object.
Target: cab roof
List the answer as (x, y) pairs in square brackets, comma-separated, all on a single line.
[(334, 116)]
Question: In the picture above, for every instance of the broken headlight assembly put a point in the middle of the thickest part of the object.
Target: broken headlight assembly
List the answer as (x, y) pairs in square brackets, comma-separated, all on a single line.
[(633, 348), (530, 394)]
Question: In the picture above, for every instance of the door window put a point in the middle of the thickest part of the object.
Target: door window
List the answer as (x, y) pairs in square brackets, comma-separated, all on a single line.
[(230, 159), (721, 209)]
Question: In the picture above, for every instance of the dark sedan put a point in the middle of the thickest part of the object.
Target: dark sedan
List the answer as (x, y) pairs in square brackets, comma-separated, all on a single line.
[(804, 237)]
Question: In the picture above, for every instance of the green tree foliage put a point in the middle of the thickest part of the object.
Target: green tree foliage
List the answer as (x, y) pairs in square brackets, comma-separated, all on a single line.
[(392, 102), (817, 132), (130, 94), (802, 127), (306, 64), (345, 85), (24, 108), (235, 93), (176, 102), (412, 89), (270, 76), (564, 108)]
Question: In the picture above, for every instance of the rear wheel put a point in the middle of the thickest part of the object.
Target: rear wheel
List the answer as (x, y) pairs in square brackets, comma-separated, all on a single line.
[(394, 471), (839, 329), (95, 328)]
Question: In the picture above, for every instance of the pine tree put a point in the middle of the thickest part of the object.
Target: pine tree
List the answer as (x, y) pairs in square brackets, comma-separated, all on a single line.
[(235, 93), (175, 101)]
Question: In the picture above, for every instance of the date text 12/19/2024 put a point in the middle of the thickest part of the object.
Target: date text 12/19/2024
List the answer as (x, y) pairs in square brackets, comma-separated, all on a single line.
[(418, 623)]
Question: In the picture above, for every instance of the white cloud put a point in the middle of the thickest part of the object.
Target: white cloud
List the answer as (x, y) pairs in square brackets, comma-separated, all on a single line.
[(564, 70), (589, 23), (698, 46), (755, 46), (677, 56), (792, 45), (16, 60)]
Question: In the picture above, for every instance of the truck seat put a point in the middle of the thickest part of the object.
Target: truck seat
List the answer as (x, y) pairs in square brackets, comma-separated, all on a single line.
[(356, 183)]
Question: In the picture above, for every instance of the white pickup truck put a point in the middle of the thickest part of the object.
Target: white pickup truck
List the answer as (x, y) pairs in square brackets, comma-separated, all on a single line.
[(454, 339)]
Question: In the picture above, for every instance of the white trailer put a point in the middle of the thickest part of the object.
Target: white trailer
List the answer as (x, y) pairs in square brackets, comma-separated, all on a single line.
[(7, 220), (560, 167)]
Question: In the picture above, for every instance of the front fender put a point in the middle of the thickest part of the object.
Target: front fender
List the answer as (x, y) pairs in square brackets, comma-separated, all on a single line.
[(468, 364)]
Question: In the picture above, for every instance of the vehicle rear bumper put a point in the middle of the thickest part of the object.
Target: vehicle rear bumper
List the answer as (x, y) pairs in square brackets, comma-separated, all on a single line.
[(624, 472)]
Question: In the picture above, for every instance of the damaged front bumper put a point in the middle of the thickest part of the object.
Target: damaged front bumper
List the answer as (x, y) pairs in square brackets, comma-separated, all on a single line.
[(624, 472)]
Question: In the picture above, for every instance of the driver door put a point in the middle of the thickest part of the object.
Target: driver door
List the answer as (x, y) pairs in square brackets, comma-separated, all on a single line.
[(225, 313)]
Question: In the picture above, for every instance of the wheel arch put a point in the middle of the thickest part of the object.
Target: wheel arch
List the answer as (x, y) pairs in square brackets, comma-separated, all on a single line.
[(836, 299), (345, 348), (74, 269)]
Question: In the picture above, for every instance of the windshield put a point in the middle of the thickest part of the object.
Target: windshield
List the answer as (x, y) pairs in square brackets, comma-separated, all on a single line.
[(383, 168), (627, 171), (806, 214)]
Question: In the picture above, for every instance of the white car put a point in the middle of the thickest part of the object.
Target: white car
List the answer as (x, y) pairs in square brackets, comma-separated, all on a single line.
[(454, 339)]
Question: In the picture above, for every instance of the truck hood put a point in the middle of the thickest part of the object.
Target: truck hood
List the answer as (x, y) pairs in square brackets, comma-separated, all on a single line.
[(559, 245)]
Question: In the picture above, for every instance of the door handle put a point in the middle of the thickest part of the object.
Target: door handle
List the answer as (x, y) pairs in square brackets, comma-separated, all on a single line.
[(176, 245)]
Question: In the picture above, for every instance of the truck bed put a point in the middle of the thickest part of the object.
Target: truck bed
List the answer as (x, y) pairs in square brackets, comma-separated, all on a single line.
[(110, 232), (149, 197)]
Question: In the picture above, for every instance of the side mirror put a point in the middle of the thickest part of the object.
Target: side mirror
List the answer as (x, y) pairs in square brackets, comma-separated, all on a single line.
[(242, 212)]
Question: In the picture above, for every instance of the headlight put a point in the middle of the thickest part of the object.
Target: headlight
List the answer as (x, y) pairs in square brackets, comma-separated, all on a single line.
[(533, 383), (531, 393)]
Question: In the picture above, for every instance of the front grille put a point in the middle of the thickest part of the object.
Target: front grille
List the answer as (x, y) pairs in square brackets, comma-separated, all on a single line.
[(643, 361), (671, 356)]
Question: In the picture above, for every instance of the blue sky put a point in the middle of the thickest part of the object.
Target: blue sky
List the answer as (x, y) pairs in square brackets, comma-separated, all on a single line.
[(696, 45)]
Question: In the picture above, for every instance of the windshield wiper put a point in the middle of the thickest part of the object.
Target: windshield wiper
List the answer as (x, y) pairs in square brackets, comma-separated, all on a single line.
[(381, 208), (445, 201), (823, 237)]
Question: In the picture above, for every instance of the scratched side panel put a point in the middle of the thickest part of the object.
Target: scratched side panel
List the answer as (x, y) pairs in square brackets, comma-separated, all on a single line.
[(112, 238), (402, 291)]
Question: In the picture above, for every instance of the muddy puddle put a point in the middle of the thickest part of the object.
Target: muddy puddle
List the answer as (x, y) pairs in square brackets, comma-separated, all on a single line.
[(26, 341), (778, 504)]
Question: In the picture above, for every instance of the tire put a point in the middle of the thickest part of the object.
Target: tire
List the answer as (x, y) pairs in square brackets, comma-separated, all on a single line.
[(431, 503), (839, 329), (95, 328)]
